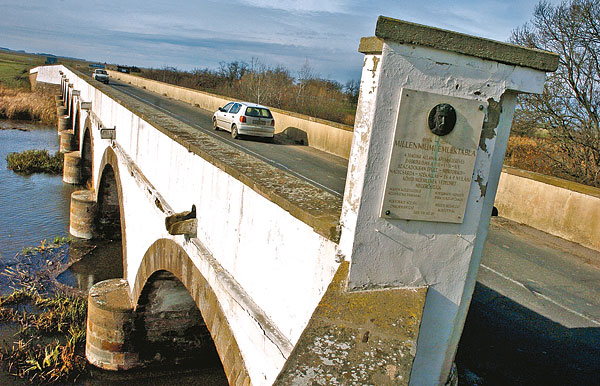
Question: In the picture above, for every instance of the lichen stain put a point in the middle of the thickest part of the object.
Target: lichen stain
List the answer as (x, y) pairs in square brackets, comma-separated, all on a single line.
[(357, 338), (491, 122), (375, 63), (482, 185)]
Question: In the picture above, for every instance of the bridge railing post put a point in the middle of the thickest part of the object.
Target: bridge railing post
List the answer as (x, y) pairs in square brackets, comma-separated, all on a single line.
[(431, 130)]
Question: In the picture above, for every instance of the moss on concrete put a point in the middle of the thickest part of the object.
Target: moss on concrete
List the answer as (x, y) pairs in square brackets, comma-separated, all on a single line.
[(362, 338), (416, 34)]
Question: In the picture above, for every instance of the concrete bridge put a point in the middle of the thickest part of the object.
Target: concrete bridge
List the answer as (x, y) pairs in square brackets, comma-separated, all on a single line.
[(288, 283)]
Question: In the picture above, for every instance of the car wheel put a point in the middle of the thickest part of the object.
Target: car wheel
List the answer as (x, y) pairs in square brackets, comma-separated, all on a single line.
[(215, 125), (234, 132)]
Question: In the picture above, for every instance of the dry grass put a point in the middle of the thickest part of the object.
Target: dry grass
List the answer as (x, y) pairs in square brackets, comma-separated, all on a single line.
[(529, 154), (544, 155), (27, 105), (49, 346)]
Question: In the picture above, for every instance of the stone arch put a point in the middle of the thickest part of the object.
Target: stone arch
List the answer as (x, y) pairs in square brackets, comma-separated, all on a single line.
[(76, 130), (108, 185), (169, 328), (167, 255), (87, 154), (71, 100)]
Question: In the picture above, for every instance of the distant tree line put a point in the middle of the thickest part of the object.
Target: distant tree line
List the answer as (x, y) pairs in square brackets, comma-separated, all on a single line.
[(305, 93)]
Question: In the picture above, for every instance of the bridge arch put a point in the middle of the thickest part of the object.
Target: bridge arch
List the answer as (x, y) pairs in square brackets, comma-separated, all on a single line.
[(76, 124), (87, 154), (110, 216), (167, 255), (71, 102)]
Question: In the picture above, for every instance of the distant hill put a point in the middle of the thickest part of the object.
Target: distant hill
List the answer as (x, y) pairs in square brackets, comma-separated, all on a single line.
[(41, 54)]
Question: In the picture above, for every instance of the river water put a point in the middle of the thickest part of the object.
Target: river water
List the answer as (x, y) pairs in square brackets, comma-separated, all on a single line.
[(36, 207)]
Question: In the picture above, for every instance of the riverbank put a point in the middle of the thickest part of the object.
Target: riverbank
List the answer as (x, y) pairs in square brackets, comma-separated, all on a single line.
[(49, 342)]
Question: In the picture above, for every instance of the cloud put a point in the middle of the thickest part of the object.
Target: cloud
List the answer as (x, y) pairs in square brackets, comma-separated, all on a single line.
[(328, 6)]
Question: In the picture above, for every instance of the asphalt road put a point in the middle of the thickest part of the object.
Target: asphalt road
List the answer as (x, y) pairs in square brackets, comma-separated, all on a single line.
[(535, 314), (317, 167)]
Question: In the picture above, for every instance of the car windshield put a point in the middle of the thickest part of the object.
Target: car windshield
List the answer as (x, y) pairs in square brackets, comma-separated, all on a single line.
[(260, 112), (101, 72)]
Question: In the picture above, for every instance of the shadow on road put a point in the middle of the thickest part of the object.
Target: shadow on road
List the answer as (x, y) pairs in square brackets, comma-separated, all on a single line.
[(504, 343)]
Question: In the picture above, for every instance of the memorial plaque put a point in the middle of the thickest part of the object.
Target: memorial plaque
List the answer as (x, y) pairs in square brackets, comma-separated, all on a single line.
[(433, 157)]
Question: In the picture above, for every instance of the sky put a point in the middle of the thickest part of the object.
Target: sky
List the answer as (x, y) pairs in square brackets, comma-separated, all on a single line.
[(189, 34)]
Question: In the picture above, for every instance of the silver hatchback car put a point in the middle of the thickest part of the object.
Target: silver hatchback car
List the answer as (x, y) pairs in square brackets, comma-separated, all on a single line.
[(243, 118)]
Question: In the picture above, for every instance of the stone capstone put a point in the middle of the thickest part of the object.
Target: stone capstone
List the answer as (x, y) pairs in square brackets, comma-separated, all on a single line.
[(419, 35)]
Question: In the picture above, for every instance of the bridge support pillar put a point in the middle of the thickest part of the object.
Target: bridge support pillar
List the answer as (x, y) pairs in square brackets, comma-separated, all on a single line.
[(110, 324), (61, 109), (72, 168), (82, 214), (64, 121), (67, 141)]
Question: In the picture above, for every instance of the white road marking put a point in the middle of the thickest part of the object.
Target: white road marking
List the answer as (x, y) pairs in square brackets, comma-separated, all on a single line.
[(232, 143), (542, 295)]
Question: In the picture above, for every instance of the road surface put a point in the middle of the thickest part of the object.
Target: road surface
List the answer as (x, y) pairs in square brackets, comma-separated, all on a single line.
[(535, 314)]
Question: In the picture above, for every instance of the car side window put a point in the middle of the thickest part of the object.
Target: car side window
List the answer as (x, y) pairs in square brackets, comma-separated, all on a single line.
[(236, 107), (228, 106)]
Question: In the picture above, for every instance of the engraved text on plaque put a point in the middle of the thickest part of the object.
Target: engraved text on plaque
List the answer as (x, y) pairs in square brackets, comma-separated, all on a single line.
[(429, 176)]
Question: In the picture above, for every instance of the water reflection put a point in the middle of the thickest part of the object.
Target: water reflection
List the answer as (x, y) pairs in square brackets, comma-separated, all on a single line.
[(35, 207), (92, 262)]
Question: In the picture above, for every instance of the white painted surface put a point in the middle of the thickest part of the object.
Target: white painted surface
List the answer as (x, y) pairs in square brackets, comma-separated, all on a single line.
[(443, 256), (47, 74), (272, 257), (550, 207)]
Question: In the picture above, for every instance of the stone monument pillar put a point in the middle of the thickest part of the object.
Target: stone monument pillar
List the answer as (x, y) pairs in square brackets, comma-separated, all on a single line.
[(432, 125)]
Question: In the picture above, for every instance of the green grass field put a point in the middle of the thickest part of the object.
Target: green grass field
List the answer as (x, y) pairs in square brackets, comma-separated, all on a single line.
[(14, 68)]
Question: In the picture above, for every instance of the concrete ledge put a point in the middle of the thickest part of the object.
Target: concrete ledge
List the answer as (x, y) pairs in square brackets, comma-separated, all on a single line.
[(562, 208), (331, 137), (410, 33), (315, 207), (357, 338), (554, 181)]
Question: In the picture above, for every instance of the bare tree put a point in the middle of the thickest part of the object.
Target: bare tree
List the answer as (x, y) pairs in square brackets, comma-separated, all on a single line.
[(569, 106)]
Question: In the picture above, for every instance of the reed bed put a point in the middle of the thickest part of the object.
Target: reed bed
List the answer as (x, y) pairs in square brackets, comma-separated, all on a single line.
[(22, 104)]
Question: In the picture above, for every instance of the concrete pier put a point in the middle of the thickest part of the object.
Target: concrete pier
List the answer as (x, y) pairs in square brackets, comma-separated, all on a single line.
[(82, 214), (109, 325), (67, 141), (72, 168)]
